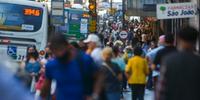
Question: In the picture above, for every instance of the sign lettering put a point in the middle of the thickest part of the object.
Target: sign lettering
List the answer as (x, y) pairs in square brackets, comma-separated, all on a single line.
[(31, 12), (176, 10)]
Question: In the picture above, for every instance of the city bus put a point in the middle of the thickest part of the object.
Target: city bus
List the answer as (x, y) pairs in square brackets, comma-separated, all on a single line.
[(23, 23)]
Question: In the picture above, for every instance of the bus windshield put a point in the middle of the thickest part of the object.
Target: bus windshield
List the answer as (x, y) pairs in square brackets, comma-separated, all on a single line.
[(20, 18)]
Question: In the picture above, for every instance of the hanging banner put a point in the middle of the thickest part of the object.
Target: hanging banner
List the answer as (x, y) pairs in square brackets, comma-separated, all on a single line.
[(176, 10)]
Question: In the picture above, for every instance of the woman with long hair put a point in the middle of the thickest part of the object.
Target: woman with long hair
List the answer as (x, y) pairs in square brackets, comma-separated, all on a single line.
[(32, 66)]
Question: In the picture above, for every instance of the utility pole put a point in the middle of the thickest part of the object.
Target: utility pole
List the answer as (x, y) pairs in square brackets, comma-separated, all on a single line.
[(123, 13), (93, 13), (111, 6)]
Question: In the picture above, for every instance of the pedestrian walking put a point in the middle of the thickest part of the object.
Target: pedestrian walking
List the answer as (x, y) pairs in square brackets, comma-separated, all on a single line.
[(160, 55), (118, 59), (112, 75), (94, 48), (153, 75), (169, 48), (73, 70), (180, 76), (136, 71), (41, 79), (32, 66)]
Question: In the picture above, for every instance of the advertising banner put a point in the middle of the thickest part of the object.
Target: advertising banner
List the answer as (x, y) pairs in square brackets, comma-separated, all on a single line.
[(176, 10)]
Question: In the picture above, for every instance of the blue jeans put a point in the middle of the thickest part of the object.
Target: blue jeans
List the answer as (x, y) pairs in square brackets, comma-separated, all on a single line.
[(113, 95)]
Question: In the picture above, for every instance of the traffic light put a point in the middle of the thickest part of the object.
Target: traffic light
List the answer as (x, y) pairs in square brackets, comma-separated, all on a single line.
[(92, 8), (93, 14)]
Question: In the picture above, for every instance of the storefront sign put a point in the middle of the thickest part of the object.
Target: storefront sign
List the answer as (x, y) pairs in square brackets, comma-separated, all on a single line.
[(176, 10)]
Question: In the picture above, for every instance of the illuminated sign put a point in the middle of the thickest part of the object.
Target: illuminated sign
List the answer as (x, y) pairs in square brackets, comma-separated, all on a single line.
[(92, 6), (85, 15), (31, 12)]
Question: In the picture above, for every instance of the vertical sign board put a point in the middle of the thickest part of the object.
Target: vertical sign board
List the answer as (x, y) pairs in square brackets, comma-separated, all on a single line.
[(57, 12), (74, 24), (84, 26), (176, 10)]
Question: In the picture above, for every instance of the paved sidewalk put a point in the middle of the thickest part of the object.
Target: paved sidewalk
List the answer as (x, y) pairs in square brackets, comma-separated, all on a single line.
[(149, 95)]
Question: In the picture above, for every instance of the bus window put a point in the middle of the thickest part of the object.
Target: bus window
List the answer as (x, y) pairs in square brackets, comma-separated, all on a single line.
[(20, 18)]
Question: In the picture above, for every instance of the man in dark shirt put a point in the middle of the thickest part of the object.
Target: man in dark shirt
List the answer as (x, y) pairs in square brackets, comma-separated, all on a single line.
[(73, 70), (180, 77), (169, 48)]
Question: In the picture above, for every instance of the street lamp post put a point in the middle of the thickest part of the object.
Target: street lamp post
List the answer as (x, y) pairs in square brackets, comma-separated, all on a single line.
[(123, 13)]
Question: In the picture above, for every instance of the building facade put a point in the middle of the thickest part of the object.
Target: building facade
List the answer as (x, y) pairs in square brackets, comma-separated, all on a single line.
[(78, 1), (142, 7)]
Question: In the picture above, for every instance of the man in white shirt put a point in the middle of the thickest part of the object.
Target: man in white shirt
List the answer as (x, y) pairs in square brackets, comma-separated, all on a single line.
[(94, 48)]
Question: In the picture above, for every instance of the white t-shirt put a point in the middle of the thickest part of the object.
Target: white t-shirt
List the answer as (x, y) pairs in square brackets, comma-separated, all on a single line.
[(96, 55)]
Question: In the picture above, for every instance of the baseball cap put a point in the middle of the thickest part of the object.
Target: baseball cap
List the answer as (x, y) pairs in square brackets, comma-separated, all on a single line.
[(92, 38)]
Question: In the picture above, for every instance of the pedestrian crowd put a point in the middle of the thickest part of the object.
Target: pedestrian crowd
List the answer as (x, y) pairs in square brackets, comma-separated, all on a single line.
[(94, 70)]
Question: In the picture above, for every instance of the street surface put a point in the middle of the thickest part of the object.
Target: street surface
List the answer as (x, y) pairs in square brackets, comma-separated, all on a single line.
[(149, 95)]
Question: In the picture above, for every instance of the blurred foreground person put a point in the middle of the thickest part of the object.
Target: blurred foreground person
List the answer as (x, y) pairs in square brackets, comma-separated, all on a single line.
[(180, 77), (136, 71), (73, 70), (112, 75), (10, 87)]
